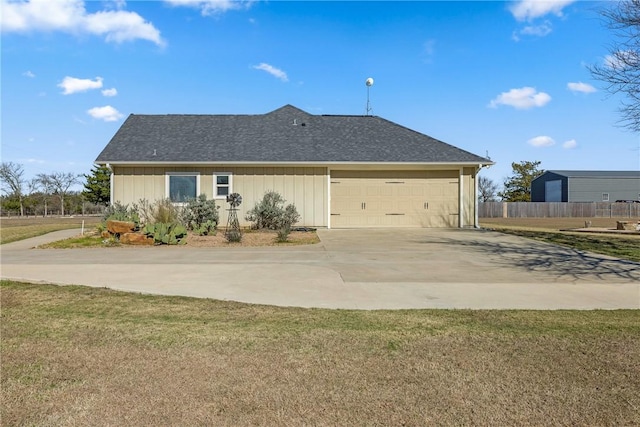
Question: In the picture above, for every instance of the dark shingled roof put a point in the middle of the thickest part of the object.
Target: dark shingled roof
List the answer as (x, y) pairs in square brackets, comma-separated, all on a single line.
[(287, 134)]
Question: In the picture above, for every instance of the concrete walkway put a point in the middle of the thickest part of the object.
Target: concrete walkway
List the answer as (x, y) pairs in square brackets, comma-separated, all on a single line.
[(350, 269)]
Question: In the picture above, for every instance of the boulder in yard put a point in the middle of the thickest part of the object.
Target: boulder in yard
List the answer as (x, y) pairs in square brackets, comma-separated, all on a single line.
[(135, 239), (120, 227), (625, 225)]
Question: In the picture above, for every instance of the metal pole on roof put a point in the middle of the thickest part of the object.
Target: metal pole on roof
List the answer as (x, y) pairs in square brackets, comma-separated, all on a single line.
[(369, 83)]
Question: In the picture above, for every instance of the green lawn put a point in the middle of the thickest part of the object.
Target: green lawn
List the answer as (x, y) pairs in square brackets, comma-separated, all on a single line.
[(85, 356)]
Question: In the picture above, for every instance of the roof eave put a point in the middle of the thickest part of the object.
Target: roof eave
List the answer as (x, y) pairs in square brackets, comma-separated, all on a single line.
[(287, 163)]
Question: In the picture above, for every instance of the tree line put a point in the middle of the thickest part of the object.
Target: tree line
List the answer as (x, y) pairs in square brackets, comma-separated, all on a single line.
[(50, 193)]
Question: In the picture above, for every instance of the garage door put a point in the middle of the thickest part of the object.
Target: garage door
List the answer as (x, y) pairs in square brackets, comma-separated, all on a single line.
[(394, 199)]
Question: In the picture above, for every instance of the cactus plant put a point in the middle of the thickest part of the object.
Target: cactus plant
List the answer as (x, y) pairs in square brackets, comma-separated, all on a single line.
[(166, 233)]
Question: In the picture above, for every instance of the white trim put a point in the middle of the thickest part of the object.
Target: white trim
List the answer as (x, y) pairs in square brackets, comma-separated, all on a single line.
[(328, 198), (111, 184), (167, 175), (476, 205), (461, 197), (215, 184)]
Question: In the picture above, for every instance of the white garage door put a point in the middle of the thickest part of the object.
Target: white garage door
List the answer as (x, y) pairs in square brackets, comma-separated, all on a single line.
[(394, 199)]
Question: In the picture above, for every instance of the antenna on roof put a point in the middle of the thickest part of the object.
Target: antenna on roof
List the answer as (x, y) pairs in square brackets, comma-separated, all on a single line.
[(369, 83)]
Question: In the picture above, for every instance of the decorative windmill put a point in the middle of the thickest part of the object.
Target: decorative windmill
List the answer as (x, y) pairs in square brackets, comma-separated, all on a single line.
[(233, 233)]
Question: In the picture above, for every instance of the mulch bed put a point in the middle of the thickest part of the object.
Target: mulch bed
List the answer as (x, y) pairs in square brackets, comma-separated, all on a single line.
[(253, 238)]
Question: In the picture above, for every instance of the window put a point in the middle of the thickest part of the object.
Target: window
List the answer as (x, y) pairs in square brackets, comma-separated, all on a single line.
[(605, 197), (222, 185), (182, 186)]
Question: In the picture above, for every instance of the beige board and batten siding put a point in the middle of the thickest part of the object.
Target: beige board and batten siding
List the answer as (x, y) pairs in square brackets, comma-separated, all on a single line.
[(401, 198), (305, 187)]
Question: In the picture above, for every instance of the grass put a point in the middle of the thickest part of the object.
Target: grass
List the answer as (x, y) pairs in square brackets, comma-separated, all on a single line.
[(85, 356), (548, 230), (14, 229)]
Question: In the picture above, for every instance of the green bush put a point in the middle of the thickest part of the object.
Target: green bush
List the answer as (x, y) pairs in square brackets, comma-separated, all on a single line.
[(120, 212), (201, 215), (271, 213)]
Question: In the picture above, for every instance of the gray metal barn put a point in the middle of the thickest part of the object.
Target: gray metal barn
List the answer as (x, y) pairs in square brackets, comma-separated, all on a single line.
[(586, 186)]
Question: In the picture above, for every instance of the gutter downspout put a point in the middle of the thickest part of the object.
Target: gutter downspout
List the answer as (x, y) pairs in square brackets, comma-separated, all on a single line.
[(476, 205), (110, 184), (461, 207)]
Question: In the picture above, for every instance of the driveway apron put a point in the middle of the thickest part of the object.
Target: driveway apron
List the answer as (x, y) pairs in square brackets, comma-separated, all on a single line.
[(350, 269)]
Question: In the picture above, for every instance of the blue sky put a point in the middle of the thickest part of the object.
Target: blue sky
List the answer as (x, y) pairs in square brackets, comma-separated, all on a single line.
[(504, 78)]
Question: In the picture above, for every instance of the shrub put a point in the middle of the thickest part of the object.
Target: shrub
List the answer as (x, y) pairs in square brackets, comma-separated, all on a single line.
[(270, 213), (164, 211), (201, 215), (120, 212)]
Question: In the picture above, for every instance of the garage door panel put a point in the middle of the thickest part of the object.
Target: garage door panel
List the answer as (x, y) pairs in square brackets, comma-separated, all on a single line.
[(394, 199)]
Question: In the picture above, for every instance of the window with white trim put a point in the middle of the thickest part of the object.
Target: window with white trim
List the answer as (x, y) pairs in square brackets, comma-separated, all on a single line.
[(222, 185), (182, 186), (605, 197)]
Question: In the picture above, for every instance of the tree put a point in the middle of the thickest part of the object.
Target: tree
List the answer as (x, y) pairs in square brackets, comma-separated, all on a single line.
[(13, 182), (487, 189), (621, 70), (517, 188), (58, 183), (97, 189)]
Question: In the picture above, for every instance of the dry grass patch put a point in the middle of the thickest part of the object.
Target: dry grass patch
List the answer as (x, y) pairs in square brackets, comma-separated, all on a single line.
[(14, 229), (550, 224), (84, 356), (626, 246)]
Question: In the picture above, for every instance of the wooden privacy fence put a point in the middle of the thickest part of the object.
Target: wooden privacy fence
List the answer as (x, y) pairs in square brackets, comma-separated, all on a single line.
[(558, 210)]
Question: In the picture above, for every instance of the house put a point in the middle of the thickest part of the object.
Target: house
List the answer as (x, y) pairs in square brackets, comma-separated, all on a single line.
[(586, 186), (338, 170)]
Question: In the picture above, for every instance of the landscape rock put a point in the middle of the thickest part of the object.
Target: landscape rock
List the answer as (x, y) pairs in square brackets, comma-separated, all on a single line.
[(626, 225), (120, 227), (135, 239)]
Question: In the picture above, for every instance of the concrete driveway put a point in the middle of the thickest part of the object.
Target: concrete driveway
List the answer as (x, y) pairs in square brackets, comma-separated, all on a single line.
[(351, 269)]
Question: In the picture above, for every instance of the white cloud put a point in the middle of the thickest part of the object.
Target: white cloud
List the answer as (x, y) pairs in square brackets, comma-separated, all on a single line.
[(428, 49), (570, 144), (581, 87), (276, 72), (540, 30), (110, 92), (541, 141), (521, 99), (29, 74), (75, 85), (32, 160), (106, 113), (622, 59), (526, 10), (71, 16), (212, 7)]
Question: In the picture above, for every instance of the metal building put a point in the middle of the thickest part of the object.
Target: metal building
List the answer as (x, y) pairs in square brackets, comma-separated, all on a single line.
[(586, 186)]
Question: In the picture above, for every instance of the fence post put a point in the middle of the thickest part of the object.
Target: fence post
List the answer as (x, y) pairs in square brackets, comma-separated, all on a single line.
[(505, 211)]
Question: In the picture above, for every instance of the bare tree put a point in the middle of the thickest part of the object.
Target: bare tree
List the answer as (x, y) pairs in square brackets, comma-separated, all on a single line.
[(621, 70), (13, 182), (58, 183), (487, 190)]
